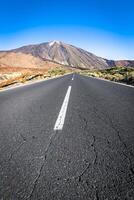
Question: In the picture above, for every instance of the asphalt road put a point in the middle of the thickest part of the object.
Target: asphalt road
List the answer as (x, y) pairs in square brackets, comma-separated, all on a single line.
[(91, 157)]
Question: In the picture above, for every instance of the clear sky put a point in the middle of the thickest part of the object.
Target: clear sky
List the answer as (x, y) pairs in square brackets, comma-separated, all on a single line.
[(103, 27)]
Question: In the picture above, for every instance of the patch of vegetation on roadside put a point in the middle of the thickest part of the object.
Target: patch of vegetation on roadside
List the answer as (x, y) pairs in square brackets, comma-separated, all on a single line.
[(58, 71), (118, 74), (24, 77), (19, 77)]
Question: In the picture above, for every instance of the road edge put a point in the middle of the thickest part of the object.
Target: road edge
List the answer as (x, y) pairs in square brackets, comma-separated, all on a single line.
[(102, 79), (30, 83)]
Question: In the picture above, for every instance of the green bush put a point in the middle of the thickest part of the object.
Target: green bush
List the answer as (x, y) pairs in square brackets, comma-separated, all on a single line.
[(119, 74)]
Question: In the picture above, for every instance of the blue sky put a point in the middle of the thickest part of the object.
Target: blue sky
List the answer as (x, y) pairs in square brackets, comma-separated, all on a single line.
[(103, 27)]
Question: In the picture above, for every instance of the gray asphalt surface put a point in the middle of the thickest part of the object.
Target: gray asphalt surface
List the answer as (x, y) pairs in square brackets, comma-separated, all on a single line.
[(91, 158)]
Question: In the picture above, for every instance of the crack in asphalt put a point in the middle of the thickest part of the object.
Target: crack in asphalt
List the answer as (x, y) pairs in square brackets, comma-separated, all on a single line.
[(97, 195), (83, 172), (82, 118), (79, 177), (115, 128), (95, 152), (17, 149), (22, 136), (35, 182), (94, 162), (125, 146), (98, 116)]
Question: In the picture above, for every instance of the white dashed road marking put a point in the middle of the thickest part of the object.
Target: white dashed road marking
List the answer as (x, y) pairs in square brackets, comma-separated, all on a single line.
[(73, 77), (62, 114)]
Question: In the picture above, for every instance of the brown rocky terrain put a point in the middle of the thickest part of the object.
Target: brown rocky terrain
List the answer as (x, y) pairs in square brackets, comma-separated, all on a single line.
[(23, 60)]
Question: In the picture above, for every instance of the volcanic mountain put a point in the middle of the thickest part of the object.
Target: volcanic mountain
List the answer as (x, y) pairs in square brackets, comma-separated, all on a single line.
[(56, 52), (63, 54)]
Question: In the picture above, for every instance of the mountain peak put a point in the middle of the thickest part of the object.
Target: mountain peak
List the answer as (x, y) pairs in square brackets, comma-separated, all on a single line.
[(54, 42)]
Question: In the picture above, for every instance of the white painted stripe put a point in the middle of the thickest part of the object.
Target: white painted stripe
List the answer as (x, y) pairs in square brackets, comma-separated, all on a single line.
[(62, 114), (73, 77)]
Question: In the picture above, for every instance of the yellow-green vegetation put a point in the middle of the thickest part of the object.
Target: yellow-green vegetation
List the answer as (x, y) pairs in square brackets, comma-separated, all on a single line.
[(23, 77), (58, 71), (118, 74)]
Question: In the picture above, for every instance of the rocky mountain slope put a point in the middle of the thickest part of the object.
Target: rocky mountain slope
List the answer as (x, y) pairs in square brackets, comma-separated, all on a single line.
[(64, 54), (51, 54), (23, 60)]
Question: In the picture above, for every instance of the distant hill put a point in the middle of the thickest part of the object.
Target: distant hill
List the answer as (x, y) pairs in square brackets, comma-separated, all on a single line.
[(124, 63)]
